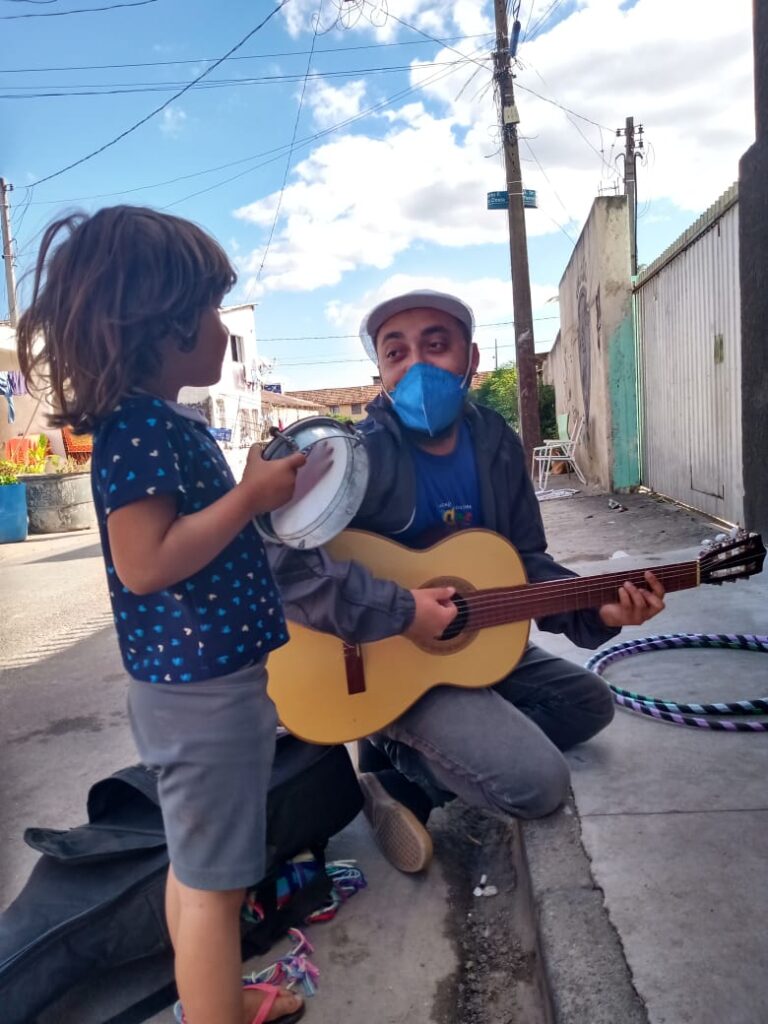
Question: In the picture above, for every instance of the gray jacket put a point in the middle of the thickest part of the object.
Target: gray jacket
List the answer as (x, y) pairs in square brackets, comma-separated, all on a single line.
[(345, 599)]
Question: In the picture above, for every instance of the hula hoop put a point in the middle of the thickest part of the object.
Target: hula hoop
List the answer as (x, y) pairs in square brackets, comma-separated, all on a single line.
[(695, 715)]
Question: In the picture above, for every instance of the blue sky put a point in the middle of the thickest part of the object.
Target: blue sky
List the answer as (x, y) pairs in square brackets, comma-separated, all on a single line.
[(395, 198)]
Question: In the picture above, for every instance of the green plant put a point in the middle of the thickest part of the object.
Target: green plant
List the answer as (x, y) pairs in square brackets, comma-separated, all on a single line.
[(499, 391), (9, 472), (57, 464), (35, 458)]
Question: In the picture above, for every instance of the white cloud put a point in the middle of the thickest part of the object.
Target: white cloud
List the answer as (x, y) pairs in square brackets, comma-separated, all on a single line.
[(384, 18), (331, 105), (172, 121), (362, 200)]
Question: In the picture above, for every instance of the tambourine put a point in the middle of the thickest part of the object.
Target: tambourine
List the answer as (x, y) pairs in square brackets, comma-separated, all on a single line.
[(332, 503)]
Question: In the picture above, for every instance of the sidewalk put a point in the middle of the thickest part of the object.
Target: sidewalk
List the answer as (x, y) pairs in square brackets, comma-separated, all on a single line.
[(652, 902)]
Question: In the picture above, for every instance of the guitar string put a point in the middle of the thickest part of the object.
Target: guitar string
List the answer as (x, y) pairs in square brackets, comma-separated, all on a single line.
[(572, 587)]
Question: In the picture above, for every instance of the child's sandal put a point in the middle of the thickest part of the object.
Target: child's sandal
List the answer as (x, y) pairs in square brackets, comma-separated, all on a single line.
[(271, 993)]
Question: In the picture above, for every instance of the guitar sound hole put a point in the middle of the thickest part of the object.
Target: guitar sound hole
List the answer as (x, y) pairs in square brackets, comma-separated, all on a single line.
[(458, 624)]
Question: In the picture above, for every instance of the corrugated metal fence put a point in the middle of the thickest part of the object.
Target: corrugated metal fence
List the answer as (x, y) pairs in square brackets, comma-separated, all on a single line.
[(689, 340)]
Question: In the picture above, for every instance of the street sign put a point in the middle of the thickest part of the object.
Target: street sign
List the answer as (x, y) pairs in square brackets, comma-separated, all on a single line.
[(500, 200)]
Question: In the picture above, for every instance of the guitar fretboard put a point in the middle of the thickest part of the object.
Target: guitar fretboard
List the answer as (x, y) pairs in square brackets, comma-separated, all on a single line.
[(532, 600)]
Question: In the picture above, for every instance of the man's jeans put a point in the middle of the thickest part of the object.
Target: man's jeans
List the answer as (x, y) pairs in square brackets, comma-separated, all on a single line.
[(500, 747)]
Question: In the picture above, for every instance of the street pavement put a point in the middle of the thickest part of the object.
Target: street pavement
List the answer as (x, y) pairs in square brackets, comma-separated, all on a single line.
[(673, 821), (651, 894)]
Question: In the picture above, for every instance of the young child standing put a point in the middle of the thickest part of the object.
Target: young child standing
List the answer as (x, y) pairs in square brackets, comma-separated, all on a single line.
[(124, 314)]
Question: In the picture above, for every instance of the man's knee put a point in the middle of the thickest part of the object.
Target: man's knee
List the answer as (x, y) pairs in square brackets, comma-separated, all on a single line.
[(604, 704), (545, 788)]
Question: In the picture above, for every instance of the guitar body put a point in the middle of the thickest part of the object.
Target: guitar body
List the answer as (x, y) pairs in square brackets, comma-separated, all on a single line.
[(308, 677)]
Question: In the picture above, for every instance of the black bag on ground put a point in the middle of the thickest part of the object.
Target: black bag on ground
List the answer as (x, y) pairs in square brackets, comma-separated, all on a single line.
[(94, 900)]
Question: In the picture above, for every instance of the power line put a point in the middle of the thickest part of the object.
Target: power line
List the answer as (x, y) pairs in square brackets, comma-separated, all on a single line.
[(556, 193), (337, 362), (277, 151), (77, 10), (328, 131), (421, 32), (117, 89), (344, 337), (293, 143), (542, 20), (167, 103), (252, 56), (555, 103)]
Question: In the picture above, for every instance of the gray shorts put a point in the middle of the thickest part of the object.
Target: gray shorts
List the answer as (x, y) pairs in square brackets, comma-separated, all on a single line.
[(212, 744)]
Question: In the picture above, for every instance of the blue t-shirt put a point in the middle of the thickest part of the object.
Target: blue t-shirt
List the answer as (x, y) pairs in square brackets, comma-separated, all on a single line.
[(447, 493), (222, 617)]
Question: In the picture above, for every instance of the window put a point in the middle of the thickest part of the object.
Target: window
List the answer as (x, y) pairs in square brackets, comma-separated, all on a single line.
[(357, 408), (335, 409), (237, 348)]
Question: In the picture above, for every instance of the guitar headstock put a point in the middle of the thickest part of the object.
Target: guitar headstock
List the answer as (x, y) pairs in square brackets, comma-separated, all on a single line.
[(733, 557)]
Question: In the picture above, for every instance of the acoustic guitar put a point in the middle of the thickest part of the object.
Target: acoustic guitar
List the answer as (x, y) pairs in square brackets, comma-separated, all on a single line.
[(328, 691)]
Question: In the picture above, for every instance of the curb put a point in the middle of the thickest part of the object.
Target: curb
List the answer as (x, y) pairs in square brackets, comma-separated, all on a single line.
[(586, 972)]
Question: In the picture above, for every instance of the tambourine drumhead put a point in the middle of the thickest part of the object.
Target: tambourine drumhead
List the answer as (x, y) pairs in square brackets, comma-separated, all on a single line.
[(318, 516)]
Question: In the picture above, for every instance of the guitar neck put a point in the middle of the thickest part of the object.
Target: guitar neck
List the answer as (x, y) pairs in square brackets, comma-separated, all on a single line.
[(534, 600)]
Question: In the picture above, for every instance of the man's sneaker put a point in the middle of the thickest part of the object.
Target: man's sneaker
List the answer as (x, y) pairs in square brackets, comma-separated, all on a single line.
[(401, 837)]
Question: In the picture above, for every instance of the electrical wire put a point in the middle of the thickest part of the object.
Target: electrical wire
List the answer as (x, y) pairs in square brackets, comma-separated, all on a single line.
[(556, 194), (292, 145), (556, 103), (421, 32), (365, 359), (542, 20), (252, 56), (345, 337), (167, 103), (350, 120), (77, 10), (116, 89)]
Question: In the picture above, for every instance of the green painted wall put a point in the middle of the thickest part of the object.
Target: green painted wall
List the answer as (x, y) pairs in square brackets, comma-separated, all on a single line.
[(622, 386)]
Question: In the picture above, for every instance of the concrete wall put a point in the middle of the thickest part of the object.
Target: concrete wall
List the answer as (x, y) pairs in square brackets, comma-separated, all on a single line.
[(592, 365)]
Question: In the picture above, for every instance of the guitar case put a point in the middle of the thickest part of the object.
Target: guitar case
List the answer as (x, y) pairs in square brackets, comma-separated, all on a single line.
[(95, 897)]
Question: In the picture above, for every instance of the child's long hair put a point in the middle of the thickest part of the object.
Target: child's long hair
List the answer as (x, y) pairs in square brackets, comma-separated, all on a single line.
[(105, 296)]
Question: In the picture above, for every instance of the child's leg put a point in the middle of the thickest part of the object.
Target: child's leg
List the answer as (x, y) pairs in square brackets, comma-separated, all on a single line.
[(207, 947), (205, 930)]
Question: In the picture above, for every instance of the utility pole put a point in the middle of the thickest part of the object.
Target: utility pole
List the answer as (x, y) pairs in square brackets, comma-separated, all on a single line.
[(753, 275), (495, 353), (5, 224), (530, 426), (630, 182)]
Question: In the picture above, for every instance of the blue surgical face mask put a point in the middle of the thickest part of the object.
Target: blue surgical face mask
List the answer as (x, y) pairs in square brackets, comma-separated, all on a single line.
[(429, 399)]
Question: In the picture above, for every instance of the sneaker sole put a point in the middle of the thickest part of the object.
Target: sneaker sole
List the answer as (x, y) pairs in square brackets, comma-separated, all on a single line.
[(401, 837)]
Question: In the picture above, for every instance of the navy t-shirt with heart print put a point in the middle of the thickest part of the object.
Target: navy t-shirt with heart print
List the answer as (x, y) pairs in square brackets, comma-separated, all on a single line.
[(217, 620)]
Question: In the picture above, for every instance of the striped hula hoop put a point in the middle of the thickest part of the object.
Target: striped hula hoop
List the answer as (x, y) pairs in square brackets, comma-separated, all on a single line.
[(696, 715)]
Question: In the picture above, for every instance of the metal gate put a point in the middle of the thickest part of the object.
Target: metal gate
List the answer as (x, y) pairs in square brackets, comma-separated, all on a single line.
[(689, 353)]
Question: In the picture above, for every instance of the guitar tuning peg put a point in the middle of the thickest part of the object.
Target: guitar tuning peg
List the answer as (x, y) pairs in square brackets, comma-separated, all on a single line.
[(720, 537), (707, 542)]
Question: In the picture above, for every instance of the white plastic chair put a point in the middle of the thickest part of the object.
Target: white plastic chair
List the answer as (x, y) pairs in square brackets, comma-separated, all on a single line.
[(561, 449)]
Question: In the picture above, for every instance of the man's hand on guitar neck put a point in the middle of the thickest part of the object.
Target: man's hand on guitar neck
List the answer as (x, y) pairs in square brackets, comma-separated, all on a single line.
[(635, 605), (435, 611)]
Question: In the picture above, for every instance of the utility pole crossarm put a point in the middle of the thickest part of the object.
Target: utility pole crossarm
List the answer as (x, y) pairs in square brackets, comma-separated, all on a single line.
[(530, 427)]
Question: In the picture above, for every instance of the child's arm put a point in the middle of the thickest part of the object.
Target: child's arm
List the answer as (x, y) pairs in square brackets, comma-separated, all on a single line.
[(153, 547)]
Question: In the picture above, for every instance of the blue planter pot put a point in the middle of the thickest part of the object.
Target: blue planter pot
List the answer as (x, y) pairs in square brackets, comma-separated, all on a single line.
[(13, 513)]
